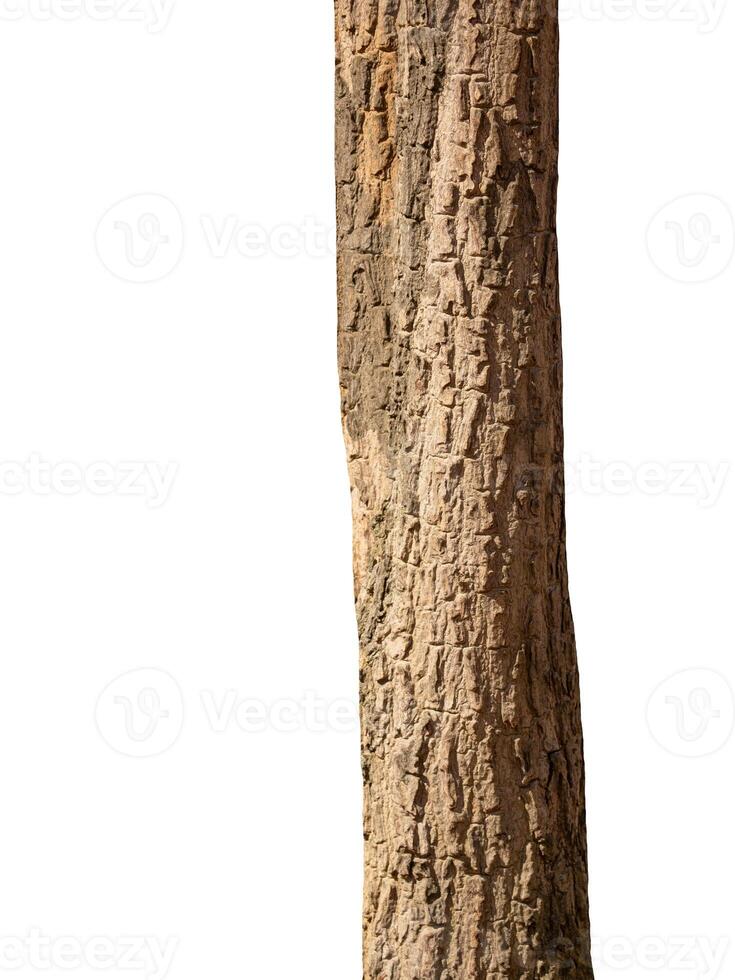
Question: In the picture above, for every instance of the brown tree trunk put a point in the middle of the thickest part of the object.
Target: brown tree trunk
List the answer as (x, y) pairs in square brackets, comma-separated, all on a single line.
[(450, 362)]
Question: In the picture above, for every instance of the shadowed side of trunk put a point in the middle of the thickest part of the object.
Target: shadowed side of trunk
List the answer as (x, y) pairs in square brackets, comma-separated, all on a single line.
[(450, 366)]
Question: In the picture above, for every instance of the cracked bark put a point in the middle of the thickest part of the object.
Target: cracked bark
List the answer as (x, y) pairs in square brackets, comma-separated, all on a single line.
[(450, 368)]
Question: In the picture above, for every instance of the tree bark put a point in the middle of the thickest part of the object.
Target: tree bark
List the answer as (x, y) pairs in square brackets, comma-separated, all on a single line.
[(450, 367)]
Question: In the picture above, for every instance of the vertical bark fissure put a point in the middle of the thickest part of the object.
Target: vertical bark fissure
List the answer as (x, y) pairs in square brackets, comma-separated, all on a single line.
[(450, 367)]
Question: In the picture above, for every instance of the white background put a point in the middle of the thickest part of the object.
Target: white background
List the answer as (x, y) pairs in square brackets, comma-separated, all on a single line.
[(240, 842)]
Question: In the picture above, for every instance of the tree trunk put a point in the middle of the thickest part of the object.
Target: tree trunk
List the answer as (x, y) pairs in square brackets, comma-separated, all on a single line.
[(450, 365)]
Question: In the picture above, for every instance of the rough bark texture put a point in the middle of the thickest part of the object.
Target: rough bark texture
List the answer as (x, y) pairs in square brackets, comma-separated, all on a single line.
[(450, 361)]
